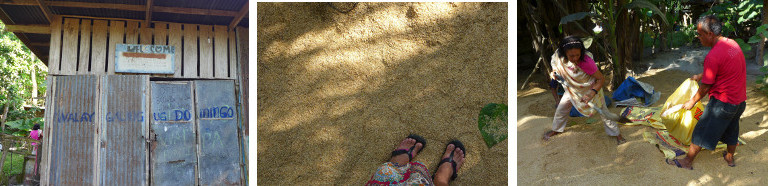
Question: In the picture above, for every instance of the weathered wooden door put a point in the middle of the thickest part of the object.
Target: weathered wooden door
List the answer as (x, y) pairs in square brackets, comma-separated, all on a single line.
[(219, 157), (173, 150)]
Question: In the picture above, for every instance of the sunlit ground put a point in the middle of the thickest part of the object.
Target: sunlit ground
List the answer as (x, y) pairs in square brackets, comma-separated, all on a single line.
[(585, 155)]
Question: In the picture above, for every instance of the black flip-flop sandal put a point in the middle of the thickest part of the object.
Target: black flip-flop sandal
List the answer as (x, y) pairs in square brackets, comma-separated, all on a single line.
[(456, 144), (418, 139)]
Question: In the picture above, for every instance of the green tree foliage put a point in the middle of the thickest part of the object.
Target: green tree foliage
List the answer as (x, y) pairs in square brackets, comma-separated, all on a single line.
[(17, 66)]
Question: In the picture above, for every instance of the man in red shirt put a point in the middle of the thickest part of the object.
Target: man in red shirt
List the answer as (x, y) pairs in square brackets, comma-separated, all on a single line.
[(724, 79)]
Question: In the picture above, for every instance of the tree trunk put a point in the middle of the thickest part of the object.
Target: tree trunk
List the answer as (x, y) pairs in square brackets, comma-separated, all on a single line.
[(6, 148), (760, 45), (538, 40), (624, 56), (2, 119)]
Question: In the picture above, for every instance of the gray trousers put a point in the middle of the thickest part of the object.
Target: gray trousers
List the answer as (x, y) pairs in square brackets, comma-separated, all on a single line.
[(564, 108)]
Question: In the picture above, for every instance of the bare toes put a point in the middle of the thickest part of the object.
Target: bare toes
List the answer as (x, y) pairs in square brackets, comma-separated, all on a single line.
[(448, 150)]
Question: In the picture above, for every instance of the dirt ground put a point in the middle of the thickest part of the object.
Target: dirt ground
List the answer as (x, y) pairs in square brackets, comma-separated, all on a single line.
[(585, 155), (336, 92)]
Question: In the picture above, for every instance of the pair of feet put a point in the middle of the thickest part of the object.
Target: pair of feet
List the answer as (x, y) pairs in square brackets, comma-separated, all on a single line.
[(619, 139), (688, 164), (444, 171)]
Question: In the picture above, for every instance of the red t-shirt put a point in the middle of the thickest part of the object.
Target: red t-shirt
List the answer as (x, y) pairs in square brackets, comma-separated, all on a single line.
[(726, 70)]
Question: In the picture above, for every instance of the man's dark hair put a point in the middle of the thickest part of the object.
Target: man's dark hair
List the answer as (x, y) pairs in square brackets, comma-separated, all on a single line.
[(571, 42), (711, 23), (36, 127)]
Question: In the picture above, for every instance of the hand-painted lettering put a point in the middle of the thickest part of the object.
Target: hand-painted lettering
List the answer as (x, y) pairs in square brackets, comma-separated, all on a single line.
[(217, 112), (75, 117), (131, 116), (175, 115)]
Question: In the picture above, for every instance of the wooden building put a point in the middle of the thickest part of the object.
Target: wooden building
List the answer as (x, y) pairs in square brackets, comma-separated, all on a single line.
[(140, 92)]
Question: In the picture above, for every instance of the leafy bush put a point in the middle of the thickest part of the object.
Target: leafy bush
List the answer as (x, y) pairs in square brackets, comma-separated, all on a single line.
[(22, 127)]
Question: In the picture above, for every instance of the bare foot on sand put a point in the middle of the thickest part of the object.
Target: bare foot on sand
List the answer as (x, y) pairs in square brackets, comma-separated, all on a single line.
[(550, 134), (445, 171), (406, 145)]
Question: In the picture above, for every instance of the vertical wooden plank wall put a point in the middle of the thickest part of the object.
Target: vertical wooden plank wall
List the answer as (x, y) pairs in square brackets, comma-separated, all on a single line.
[(206, 51), (190, 51), (132, 32), (86, 46), (99, 47), (54, 56), (69, 48), (145, 34), (174, 39), (116, 30), (232, 54), (220, 52), (161, 37)]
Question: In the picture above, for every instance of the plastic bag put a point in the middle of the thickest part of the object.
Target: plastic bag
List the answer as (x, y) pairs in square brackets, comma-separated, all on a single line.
[(680, 122)]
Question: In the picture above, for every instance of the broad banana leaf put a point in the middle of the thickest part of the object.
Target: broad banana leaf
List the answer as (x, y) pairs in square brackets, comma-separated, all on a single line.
[(648, 5)]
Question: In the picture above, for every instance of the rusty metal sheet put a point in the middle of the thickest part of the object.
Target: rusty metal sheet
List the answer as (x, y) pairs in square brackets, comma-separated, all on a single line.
[(219, 158), (123, 121), (73, 126), (173, 151)]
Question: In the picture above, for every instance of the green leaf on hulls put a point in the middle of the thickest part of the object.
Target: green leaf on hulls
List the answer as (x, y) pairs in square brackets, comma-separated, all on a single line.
[(492, 123)]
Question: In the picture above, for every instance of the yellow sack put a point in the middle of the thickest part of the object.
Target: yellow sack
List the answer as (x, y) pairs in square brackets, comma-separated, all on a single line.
[(680, 122)]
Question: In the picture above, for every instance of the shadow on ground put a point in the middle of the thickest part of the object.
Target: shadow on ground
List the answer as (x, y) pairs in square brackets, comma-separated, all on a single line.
[(336, 92)]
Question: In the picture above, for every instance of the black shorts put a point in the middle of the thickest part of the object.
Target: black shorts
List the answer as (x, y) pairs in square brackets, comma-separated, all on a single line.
[(719, 122)]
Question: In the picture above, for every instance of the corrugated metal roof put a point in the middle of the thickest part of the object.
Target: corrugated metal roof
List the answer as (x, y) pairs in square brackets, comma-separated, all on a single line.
[(130, 2), (204, 4), (39, 37), (243, 23), (193, 19), (24, 14), (99, 12)]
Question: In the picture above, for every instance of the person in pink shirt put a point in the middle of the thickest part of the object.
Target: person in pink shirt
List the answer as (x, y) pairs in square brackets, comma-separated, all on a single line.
[(572, 61), (724, 79), (36, 135)]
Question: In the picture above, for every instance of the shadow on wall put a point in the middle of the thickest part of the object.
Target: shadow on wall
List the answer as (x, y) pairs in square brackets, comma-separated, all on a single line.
[(337, 91)]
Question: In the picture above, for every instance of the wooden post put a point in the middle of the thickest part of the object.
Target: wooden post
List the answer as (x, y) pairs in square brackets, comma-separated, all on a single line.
[(54, 56)]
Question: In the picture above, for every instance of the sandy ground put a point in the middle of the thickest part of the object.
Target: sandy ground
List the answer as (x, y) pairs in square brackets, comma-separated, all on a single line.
[(336, 92), (585, 155)]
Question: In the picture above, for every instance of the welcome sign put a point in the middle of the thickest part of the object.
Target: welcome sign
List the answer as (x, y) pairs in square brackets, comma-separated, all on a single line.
[(152, 59)]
